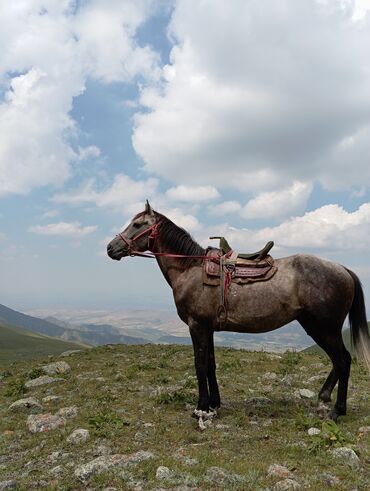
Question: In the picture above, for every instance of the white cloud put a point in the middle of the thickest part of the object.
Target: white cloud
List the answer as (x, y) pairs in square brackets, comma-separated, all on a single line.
[(185, 220), (49, 49), (192, 194), (277, 204), (224, 208), (329, 228), (125, 194), (257, 97), (69, 229)]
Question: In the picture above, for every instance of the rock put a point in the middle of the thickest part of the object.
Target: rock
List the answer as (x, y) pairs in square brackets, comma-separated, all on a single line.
[(163, 473), (70, 352), (43, 380), (269, 376), (68, 412), (140, 456), (30, 404), (288, 380), (57, 471), (315, 378), (78, 436), (347, 455), (259, 401), (48, 399), (8, 485), (216, 474), (39, 423), (363, 430), (330, 480), (286, 485), (304, 394), (56, 368), (99, 465), (317, 366), (103, 463), (276, 470), (313, 431)]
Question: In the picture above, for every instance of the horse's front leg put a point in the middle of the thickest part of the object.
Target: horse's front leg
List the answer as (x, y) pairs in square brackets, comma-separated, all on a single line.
[(214, 394), (200, 339)]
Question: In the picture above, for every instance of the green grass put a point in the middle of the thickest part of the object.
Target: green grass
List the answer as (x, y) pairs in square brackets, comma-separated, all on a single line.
[(134, 398), (19, 344)]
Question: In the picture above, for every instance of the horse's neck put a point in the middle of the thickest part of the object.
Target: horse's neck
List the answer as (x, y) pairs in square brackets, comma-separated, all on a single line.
[(171, 267)]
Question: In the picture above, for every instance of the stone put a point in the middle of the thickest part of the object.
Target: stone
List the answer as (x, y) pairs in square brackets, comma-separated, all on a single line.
[(304, 394), (56, 368), (70, 352), (347, 455), (163, 473), (39, 423), (363, 430), (43, 380), (30, 404), (99, 465), (269, 376), (57, 471), (259, 401), (313, 431), (102, 464), (315, 378), (79, 436), (4, 485), (68, 412), (216, 474), (286, 485), (51, 399), (330, 480), (277, 470)]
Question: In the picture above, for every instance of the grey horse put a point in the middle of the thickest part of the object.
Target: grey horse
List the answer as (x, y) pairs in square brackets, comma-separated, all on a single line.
[(317, 293)]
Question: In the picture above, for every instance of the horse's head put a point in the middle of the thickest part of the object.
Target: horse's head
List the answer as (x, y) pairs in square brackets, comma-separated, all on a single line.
[(136, 237)]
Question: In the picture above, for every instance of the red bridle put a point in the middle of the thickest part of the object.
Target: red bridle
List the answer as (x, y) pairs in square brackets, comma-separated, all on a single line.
[(131, 243), (154, 232)]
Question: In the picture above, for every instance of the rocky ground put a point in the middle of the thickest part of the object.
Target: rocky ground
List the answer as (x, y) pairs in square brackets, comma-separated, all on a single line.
[(119, 417)]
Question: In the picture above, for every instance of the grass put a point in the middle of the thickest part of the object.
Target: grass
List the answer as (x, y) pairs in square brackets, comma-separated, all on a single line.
[(19, 344), (134, 398)]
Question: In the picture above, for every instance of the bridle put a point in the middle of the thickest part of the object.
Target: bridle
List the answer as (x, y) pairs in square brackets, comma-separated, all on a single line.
[(153, 233), (131, 243)]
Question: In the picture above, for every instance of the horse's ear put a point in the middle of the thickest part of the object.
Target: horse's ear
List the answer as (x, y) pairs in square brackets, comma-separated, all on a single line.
[(148, 208)]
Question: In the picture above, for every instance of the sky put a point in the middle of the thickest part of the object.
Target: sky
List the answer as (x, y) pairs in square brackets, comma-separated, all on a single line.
[(244, 118)]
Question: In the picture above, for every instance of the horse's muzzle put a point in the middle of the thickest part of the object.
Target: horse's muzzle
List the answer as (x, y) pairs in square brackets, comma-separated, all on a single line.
[(113, 254)]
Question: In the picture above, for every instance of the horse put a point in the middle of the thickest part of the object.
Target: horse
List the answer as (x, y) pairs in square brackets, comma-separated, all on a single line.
[(318, 293)]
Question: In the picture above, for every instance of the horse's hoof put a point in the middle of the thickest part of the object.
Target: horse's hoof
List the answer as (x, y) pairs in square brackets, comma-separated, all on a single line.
[(325, 396)]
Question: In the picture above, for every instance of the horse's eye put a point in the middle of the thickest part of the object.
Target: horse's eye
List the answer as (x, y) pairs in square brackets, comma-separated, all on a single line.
[(136, 225)]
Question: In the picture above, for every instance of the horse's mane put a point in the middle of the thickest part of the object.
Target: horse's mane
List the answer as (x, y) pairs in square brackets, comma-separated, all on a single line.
[(178, 240)]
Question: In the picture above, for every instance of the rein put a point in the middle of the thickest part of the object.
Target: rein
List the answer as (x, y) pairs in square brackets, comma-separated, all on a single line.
[(154, 232)]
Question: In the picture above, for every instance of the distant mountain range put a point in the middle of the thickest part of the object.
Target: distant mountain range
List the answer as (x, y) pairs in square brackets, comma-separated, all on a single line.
[(88, 334)]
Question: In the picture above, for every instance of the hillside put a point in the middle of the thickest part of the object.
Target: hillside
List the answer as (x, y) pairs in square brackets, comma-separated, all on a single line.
[(346, 339), (18, 344), (132, 408), (88, 334)]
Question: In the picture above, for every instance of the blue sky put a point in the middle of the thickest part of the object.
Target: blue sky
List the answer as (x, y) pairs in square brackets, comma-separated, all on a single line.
[(230, 117)]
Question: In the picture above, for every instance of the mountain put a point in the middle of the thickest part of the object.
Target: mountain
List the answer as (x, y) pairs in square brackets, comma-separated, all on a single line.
[(18, 344), (91, 334), (15, 318)]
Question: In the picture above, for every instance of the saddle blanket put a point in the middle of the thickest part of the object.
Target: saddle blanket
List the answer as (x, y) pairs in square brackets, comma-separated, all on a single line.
[(243, 271)]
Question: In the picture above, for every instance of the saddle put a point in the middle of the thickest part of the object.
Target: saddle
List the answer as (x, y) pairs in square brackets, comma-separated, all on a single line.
[(224, 266), (241, 268)]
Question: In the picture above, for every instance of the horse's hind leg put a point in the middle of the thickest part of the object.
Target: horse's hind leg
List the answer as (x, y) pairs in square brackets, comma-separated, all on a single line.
[(328, 386), (330, 340)]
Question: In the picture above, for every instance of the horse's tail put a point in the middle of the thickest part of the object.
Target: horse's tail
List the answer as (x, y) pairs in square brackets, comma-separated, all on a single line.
[(360, 337)]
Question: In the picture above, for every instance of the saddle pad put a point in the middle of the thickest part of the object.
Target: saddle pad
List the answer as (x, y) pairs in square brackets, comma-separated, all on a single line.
[(245, 271)]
